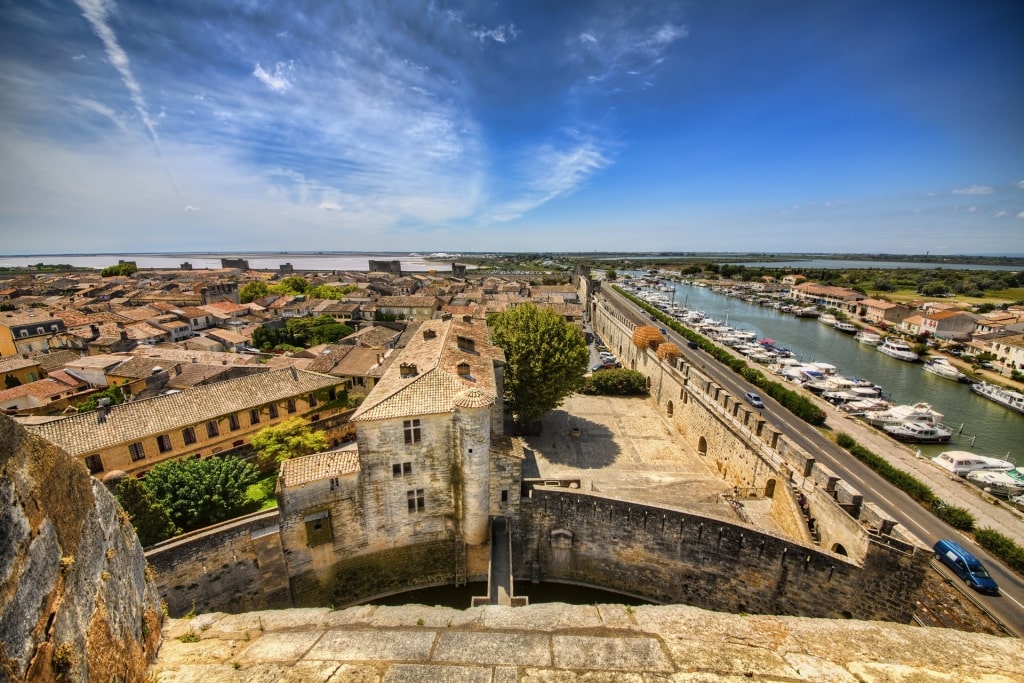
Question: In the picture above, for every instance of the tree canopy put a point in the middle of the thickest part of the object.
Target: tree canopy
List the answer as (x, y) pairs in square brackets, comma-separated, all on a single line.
[(287, 439), (151, 520), (199, 492), (119, 269), (301, 332), (545, 359)]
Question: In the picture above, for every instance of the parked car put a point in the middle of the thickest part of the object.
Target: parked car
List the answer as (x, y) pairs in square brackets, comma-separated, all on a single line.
[(753, 399), (693, 345), (965, 565), (606, 365)]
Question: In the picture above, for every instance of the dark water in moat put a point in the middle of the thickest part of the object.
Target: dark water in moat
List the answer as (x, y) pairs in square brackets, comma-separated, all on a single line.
[(462, 597), (994, 430)]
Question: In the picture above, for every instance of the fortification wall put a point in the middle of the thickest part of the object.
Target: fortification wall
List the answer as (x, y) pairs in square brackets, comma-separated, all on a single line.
[(237, 566), (671, 557)]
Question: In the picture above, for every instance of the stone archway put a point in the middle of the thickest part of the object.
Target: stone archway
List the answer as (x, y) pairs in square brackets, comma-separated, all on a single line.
[(702, 446), (670, 409), (838, 549)]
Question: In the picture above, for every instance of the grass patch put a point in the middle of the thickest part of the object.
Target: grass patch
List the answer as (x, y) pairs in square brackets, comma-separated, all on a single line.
[(261, 494)]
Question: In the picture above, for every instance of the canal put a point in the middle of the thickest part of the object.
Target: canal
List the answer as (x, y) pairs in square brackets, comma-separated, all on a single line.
[(988, 428)]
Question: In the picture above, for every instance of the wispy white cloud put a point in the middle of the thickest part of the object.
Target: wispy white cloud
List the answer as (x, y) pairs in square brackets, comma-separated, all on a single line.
[(101, 109), (618, 45), (1020, 215), (1020, 184), (189, 208), (974, 189), (552, 171), (78, 58), (279, 80), (999, 214), (500, 34)]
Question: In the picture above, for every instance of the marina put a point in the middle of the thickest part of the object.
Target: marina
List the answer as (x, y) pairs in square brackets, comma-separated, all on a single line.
[(978, 424)]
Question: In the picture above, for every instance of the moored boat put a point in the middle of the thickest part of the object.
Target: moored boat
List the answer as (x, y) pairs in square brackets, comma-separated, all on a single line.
[(869, 338), (846, 327), (943, 368), (918, 412), (916, 432), (828, 319), (963, 462), (997, 483), (1014, 400), (895, 348)]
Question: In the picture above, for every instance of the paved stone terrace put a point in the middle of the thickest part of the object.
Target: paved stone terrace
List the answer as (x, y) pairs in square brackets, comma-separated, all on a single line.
[(557, 642)]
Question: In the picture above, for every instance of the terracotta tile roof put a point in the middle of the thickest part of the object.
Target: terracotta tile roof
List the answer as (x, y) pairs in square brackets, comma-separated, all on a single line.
[(12, 363), (54, 360), (42, 388), (436, 353), (82, 434), (66, 378), (309, 468)]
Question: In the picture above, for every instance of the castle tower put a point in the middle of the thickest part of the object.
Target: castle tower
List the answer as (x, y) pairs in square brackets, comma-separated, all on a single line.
[(473, 420)]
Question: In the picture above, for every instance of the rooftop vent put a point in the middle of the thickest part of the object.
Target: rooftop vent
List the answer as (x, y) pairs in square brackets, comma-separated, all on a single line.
[(407, 369), (466, 344), (429, 334), (467, 319)]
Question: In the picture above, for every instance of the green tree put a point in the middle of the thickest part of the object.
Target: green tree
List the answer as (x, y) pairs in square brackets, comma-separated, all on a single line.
[(151, 520), (293, 284), (288, 439), (252, 291), (115, 394), (119, 269), (204, 491), (545, 359), (611, 275)]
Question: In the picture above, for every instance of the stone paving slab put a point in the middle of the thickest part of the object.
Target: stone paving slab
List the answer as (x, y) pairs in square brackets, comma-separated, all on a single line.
[(369, 645), (608, 654), (519, 649), (279, 647), (593, 644)]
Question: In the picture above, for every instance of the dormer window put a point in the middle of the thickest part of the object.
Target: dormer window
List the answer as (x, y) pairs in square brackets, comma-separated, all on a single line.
[(466, 344), (463, 369)]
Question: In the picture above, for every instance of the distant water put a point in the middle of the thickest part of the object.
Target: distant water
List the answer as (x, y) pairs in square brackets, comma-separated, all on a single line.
[(319, 261), (832, 264)]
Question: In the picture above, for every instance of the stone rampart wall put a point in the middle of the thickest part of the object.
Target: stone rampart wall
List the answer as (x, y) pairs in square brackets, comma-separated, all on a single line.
[(672, 557), (231, 567)]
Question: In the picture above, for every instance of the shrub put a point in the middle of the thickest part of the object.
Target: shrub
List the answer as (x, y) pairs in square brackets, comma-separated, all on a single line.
[(957, 517), (619, 382), (1003, 547)]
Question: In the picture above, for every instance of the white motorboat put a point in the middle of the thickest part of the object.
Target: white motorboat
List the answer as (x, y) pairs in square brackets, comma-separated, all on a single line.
[(943, 368), (898, 349), (918, 432), (869, 338), (1014, 400), (828, 319), (918, 412), (1000, 484), (845, 327), (963, 462)]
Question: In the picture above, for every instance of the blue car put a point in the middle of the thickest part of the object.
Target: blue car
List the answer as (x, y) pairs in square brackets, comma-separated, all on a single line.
[(966, 566)]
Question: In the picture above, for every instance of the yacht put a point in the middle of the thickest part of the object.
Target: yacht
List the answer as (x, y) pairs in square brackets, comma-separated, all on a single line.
[(919, 432), (943, 368), (869, 338), (897, 349), (1014, 400), (845, 327), (1001, 484), (828, 319), (962, 462), (918, 412)]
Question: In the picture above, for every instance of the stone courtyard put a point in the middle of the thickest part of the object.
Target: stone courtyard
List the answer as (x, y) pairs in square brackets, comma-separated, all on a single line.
[(627, 450)]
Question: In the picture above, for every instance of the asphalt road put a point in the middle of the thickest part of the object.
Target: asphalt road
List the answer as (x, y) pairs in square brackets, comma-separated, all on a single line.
[(1008, 606)]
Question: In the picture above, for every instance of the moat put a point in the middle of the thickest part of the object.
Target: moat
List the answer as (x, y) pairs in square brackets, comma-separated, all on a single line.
[(461, 597)]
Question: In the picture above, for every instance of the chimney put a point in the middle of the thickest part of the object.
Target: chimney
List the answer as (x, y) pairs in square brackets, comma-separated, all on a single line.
[(468, 319), (429, 334), (407, 370)]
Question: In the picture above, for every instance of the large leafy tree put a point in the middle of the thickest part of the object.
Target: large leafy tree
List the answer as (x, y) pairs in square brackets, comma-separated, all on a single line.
[(151, 520), (257, 289), (545, 359), (200, 492), (285, 440)]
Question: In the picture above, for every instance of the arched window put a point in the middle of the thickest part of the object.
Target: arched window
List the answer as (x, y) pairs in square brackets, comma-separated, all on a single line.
[(702, 446), (670, 408)]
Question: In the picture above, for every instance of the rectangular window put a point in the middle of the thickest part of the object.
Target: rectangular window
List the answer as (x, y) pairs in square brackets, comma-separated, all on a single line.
[(188, 435), (504, 495), (234, 423), (312, 401), (94, 463), (137, 451), (318, 528), (163, 442), (291, 405), (273, 411), (254, 417), (401, 469), (412, 431), (416, 501), (211, 429)]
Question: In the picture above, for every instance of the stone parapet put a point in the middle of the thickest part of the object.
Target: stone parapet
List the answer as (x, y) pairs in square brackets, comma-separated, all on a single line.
[(558, 642)]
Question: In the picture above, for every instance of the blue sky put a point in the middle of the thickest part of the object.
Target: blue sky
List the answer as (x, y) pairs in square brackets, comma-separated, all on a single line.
[(725, 125)]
